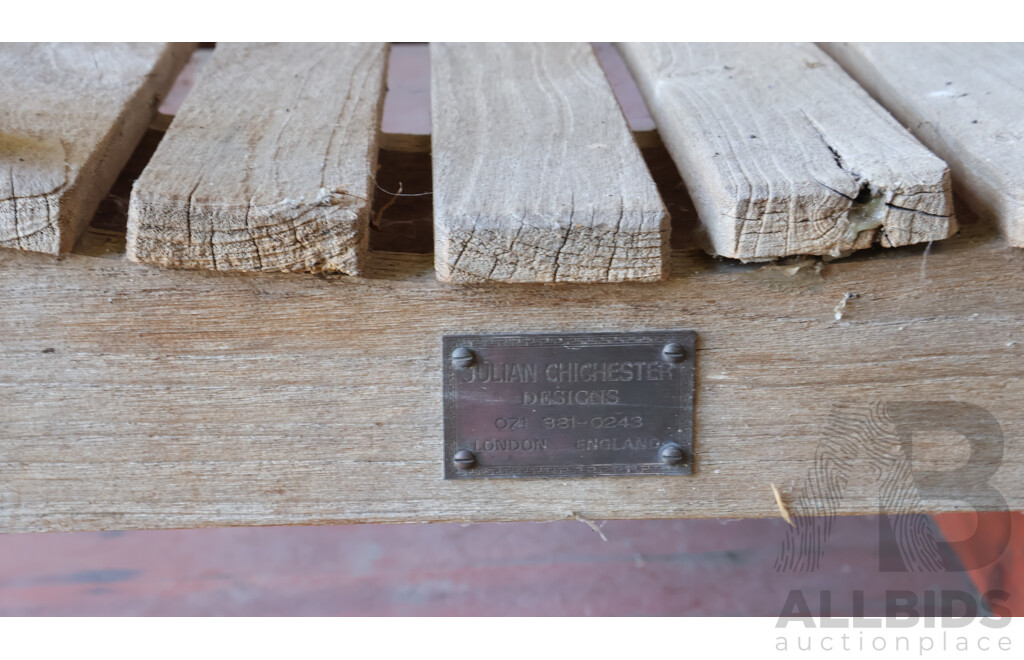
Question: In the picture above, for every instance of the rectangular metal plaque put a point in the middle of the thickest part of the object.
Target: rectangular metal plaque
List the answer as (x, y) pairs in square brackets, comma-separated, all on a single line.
[(568, 405)]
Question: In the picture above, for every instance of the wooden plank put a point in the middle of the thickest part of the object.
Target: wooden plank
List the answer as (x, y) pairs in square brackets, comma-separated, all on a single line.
[(784, 154), (70, 115), (964, 101), (267, 172), (536, 175), (134, 397)]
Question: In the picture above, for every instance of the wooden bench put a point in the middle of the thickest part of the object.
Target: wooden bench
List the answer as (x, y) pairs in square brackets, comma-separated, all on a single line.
[(139, 396)]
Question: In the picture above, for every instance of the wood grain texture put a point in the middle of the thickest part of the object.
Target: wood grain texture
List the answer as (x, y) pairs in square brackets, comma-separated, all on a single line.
[(138, 397), (267, 172), (536, 175), (964, 101), (784, 154), (70, 116)]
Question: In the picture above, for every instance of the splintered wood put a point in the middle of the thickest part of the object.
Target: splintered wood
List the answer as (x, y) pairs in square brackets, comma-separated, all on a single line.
[(784, 154), (963, 100), (70, 116), (269, 165), (536, 175)]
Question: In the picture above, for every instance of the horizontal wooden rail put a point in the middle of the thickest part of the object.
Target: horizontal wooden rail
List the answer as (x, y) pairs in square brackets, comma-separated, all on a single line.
[(137, 397)]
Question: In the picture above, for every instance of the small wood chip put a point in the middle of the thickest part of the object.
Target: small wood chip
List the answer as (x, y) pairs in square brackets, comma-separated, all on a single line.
[(782, 507), (592, 525)]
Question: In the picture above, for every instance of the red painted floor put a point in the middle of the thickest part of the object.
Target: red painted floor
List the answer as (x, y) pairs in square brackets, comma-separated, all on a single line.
[(694, 567)]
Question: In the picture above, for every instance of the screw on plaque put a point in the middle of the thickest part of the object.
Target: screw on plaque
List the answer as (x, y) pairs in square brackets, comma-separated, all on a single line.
[(464, 459), (462, 357), (672, 455), (673, 352)]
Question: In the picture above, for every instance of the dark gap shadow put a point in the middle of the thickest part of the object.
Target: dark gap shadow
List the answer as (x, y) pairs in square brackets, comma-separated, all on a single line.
[(402, 216), (105, 235)]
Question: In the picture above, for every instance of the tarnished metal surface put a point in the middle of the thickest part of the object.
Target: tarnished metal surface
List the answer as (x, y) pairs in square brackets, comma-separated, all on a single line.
[(568, 405)]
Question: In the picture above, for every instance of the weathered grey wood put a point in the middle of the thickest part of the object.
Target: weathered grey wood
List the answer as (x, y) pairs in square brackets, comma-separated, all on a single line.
[(963, 100), (269, 164), (134, 397), (70, 115), (784, 154), (536, 175)]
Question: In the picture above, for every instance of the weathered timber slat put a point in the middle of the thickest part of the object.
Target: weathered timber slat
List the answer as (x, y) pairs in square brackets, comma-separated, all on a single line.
[(963, 100), (536, 175), (269, 164), (70, 116), (784, 154), (135, 397)]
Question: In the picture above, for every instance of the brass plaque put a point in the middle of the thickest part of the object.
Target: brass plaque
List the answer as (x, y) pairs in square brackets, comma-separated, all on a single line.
[(568, 405)]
